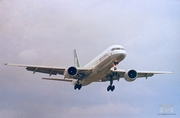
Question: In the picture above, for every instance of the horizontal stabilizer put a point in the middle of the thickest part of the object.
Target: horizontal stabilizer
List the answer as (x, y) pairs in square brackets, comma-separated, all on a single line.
[(57, 79)]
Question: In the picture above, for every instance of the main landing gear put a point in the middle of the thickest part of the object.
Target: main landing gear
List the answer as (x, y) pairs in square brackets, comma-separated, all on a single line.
[(111, 86), (77, 85)]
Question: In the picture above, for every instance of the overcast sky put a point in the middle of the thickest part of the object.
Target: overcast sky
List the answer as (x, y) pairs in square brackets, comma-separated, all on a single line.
[(45, 32)]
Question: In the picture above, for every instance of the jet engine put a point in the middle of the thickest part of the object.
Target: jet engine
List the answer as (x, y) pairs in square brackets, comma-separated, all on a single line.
[(70, 72), (130, 75)]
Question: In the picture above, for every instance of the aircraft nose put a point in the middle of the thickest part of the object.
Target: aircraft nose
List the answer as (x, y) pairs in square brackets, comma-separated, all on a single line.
[(124, 54)]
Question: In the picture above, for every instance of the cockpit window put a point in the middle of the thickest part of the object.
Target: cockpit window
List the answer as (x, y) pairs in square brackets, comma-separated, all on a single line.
[(117, 49)]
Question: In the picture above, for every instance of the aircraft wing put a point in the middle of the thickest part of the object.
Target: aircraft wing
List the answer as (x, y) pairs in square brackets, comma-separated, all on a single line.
[(42, 69), (51, 70), (117, 74), (150, 73)]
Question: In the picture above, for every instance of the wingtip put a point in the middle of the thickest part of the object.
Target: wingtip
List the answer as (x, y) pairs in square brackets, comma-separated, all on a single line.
[(171, 72)]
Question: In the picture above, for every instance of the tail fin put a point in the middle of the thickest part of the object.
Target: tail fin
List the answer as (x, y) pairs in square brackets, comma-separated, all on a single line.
[(76, 60)]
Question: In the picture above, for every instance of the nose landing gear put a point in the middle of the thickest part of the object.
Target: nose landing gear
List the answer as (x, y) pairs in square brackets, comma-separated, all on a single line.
[(115, 64)]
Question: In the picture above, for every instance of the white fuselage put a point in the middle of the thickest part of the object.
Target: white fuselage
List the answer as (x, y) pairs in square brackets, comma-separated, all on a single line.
[(103, 63)]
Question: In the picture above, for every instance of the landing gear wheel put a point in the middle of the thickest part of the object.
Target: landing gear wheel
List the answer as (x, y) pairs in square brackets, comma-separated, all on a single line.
[(110, 87), (77, 86)]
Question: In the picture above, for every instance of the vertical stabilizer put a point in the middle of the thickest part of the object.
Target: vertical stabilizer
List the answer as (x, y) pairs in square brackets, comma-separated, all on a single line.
[(76, 60)]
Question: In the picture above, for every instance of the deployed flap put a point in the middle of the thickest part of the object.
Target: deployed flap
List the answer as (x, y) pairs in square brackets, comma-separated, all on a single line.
[(150, 73), (57, 79), (42, 69)]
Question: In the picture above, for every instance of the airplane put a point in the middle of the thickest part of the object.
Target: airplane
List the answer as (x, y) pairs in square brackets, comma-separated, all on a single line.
[(101, 69)]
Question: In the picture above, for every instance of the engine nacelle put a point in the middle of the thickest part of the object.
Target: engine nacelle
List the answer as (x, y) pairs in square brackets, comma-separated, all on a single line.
[(130, 75), (70, 72)]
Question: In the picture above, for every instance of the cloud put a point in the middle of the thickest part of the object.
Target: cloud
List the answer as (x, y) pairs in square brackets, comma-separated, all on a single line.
[(106, 110), (31, 55), (9, 113), (46, 32)]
